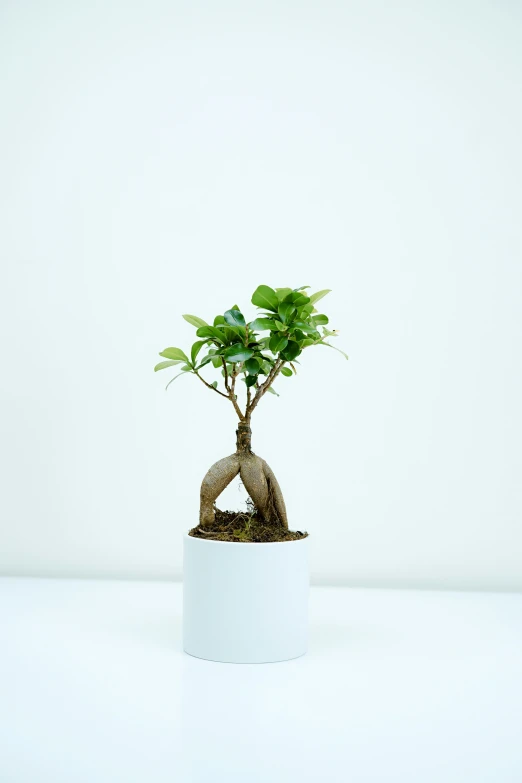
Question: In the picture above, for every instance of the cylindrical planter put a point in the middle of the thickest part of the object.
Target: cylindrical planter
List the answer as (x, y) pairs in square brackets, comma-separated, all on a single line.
[(245, 603)]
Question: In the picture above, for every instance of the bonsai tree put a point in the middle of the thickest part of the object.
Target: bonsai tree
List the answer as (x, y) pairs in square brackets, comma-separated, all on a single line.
[(255, 354)]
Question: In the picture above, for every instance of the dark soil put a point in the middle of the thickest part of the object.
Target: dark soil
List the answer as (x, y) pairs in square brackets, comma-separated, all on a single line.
[(244, 527)]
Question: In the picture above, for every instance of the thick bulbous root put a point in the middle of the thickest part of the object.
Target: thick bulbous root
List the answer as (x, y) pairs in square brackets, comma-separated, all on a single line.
[(254, 481), (258, 479), (275, 494), (217, 478)]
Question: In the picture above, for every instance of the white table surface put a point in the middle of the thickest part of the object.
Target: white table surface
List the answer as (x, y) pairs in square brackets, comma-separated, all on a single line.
[(408, 686)]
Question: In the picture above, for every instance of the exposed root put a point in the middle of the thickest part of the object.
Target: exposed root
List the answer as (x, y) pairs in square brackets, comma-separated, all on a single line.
[(217, 478), (277, 503), (254, 479), (258, 480)]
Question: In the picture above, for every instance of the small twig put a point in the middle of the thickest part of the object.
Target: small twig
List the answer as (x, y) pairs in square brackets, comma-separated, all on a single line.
[(265, 385), (232, 394), (209, 385), (224, 363)]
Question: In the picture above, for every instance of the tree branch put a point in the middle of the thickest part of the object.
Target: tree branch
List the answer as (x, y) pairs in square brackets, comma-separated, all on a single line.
[(265, 385), (230, 387), (224, 363), (209, 385)]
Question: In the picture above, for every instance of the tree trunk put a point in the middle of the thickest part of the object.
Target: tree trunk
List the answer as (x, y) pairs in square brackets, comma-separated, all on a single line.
[(243, 437)]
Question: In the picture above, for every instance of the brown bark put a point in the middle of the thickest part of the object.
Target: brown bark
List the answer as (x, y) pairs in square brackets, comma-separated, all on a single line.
[(256, 475), (217, 478), (243, 438), (275, 494), (255, 483)]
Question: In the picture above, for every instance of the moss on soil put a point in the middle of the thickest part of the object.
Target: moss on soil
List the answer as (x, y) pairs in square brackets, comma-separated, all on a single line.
[(244, 527)]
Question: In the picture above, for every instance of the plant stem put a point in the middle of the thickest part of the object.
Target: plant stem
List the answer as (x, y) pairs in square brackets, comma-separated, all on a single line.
[(232, 394), (224, 363), (210, 385), (230, 389), (265, 386), (243, 437)]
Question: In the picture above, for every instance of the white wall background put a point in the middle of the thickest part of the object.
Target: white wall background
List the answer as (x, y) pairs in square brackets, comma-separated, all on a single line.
[(167, 157)]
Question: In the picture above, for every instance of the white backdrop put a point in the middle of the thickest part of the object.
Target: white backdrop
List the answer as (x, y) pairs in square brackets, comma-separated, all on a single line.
[(167, 157)]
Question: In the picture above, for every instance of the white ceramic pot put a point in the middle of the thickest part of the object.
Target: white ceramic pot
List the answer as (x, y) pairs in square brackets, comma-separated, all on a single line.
[(245, 603)]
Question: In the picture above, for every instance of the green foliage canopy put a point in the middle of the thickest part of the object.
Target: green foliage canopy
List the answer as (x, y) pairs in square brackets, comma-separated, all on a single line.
[(259, 351)]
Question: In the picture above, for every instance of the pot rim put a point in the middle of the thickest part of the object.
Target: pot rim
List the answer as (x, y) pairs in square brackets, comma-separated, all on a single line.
[(246, 543)]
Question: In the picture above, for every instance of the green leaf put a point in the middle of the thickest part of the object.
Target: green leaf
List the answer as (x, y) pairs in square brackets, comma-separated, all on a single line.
[(238, 353), (272, 391), (214, 384), (196, 348), (305, 310), (307, 342), (174, 353), (319, 295), (282, 292), (219, 319), (250, 380), (280, 326), (195, 321), (286, 371), (297, 299), (234, 318), (286, 312), (277, 343), (302, 288), (170, 363), (304, 327), (206, 359), (216, 361), (321, 320), (173, 379), (212, 332), (322, 342), (264, 296), (231, 333), (252, 366), (261, 325), (291, 351)]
